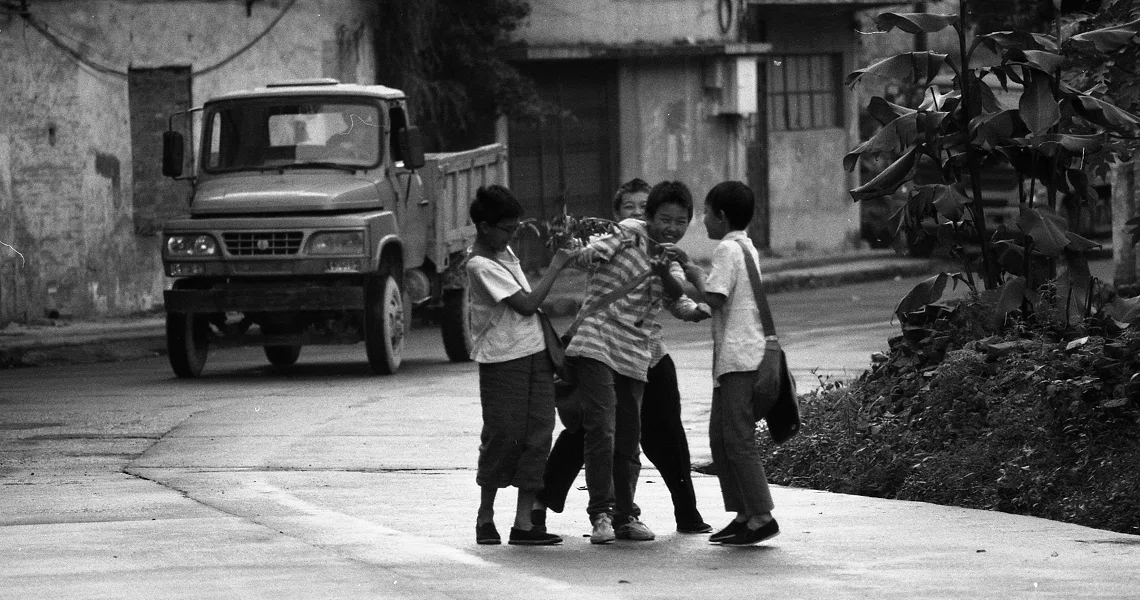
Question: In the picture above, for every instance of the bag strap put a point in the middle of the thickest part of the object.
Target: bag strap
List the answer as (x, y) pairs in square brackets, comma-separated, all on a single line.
[(758, 290), (610, 298)]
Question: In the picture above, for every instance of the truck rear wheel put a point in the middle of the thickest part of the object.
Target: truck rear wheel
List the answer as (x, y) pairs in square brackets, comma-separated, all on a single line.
[(453, 326), (283, 356), (384, 323), (187, 343)]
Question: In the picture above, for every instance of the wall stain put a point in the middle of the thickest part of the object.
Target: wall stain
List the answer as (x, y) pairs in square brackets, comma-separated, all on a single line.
[(108, 166)]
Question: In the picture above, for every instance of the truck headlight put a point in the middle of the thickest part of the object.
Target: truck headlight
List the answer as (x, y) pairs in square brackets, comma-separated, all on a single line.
[(194, 244), (337, 242)]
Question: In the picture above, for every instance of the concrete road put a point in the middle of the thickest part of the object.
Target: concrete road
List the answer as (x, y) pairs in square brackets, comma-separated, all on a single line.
[(119, 481)]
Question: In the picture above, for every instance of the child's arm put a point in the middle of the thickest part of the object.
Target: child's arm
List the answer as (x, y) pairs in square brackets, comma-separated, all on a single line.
[(696, 276), (685, 309), (527, 304), (662, 267)]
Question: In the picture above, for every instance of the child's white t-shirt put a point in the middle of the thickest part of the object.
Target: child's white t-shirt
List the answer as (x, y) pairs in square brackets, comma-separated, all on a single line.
[(497, 331), (738, 335)]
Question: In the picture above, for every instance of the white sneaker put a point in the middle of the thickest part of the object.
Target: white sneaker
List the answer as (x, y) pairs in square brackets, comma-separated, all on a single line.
[(635, 530), (603, 529)]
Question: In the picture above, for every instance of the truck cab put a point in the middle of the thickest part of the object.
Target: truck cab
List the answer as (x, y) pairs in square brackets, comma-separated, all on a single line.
[(316, 217)]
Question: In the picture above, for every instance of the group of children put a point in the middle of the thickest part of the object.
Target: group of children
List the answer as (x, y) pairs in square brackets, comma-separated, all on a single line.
[(626, 381)]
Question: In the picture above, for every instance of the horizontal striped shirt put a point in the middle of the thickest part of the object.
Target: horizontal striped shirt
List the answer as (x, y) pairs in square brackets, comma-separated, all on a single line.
[(622, 334)]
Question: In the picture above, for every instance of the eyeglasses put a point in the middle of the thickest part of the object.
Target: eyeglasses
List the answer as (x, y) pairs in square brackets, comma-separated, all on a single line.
[(507, 230)]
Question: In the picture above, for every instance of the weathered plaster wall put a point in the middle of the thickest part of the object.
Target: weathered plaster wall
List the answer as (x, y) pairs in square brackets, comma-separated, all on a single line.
[(621, 21), (811, 209), (65, 143), (670, 130)]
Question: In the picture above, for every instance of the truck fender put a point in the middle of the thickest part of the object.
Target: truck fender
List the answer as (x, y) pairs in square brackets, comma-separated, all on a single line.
[(389, 245)]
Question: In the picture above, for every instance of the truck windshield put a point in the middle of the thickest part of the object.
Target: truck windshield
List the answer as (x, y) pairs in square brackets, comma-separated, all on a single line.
[(282, 132)]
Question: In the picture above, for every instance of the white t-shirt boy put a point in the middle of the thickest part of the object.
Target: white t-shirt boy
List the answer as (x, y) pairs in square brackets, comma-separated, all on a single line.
[(497, 331), (738, 336)]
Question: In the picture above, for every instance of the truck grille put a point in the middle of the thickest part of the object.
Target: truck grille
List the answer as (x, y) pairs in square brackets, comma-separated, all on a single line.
[(262, 243)]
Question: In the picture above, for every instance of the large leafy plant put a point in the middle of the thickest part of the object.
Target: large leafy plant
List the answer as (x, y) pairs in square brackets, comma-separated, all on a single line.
[(1062, 134)]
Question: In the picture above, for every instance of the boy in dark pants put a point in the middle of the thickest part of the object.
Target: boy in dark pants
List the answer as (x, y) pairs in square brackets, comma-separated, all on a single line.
[(739, 344), (662, 432)]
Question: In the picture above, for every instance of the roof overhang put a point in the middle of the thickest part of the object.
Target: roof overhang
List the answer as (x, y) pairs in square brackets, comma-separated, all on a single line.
[(852, 4), (522, 53)]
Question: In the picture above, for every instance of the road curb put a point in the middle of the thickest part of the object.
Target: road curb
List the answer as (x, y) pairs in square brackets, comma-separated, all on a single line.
[(133, 340)]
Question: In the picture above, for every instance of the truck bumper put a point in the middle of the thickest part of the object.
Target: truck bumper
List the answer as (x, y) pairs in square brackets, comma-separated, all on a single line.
[(250, 300)]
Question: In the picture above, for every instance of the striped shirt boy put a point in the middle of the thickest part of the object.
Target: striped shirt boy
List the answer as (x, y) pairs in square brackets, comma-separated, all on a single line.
[(625, 335)]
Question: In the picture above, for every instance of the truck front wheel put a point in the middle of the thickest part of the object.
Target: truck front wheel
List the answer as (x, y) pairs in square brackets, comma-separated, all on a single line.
[(384, 323), (187, 343), (453, 326)]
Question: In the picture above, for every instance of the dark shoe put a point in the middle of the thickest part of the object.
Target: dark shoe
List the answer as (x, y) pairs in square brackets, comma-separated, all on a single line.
[(697, 527), (750, 537), (487, 534), (734, 527), (533, 537), (538, 519)]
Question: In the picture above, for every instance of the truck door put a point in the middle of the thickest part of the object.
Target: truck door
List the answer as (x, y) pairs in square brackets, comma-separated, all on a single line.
[(413, 208)]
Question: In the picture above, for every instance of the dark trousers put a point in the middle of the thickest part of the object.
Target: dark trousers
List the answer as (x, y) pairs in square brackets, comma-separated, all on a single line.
[(662, 439), (732, 439)]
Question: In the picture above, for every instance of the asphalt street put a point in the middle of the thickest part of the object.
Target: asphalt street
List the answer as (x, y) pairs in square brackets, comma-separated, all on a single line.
[(119, 481)]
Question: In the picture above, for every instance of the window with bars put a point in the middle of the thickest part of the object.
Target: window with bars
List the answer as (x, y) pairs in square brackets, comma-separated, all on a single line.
[(805, 91)]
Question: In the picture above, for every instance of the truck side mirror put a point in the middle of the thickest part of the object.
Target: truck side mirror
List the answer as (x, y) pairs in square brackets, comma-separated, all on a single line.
[(411, 143), (173, 153)]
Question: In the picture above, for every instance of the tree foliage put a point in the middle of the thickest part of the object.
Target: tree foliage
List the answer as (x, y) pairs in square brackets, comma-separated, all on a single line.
[(1065, 132), (444, 55)]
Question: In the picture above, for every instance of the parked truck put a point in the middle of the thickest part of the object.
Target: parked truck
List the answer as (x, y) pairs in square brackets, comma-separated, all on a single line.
[(316, 217)]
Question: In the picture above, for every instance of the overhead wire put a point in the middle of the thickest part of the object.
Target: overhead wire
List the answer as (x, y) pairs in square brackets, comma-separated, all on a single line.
[(100, 67)]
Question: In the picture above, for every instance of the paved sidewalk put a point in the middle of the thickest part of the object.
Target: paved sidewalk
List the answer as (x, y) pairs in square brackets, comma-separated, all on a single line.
[(63, 341)]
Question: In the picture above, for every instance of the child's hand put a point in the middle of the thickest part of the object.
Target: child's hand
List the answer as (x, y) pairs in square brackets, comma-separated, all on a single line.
[(673, 253), (703, 312), (660, 265), (561, 258)]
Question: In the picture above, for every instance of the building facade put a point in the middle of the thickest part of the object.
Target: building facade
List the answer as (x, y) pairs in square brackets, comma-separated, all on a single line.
[(86, 90), (701, 91)]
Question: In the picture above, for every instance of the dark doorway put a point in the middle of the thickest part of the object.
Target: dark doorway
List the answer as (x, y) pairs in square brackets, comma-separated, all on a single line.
[(155, 94), (571, 159)]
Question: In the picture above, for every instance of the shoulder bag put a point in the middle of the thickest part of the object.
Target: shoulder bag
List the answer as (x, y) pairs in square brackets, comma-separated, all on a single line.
[(774, 398)]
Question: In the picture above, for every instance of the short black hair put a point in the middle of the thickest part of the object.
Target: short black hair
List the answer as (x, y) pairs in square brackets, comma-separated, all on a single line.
[(669, 192), (735, 200), (494, 203), (632, 186)]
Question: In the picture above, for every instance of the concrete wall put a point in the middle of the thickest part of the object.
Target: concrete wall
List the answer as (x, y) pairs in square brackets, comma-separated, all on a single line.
[(670, 130), (621, 21), (810, 206), (65, 144)]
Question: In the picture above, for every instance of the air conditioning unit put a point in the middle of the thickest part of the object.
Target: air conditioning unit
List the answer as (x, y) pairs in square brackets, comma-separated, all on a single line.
[(735, 78)]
